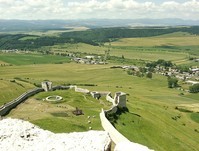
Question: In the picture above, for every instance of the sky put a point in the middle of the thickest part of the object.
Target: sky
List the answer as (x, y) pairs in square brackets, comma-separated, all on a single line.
[(99, 9)]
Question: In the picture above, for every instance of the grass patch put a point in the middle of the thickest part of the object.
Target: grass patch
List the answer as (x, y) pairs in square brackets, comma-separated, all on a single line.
[(29, 38), (11, 90), (59, 117), (195, 117), (169, 40), (60, 114), (183, 110), (28, 59), (57, 125)]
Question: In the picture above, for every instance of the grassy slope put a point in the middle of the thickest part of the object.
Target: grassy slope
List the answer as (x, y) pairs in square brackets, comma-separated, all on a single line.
[(11, 90), (150, 98), (169, 39), (58, 117), (174, 47)]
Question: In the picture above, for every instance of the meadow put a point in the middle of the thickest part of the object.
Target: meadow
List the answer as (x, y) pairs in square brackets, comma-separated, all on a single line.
[(176, 47), (149, 98), (159, 117), (29, 59), (58, 116)]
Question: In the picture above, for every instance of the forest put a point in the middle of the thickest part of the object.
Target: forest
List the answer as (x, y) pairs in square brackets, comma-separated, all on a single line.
[(94, 37)]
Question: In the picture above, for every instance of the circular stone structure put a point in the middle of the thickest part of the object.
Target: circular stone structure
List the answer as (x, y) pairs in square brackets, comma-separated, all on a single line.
[(54, 98)]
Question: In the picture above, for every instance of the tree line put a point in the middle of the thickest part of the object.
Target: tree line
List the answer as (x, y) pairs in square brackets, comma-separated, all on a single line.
[(96, 36)]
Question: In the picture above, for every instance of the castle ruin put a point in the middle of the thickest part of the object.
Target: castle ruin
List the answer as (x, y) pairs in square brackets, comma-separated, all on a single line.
[(46, 85)]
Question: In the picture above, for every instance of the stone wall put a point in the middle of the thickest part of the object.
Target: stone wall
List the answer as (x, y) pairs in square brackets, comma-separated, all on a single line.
[(46, 85), (81, 90), (122, 143), (114, 134), (95, 94), (110, 99), (60, 87), (9, 106), (120, 99)]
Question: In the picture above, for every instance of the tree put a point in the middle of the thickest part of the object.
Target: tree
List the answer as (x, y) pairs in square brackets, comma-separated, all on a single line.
[(172, 82), (139, 74), (129, 72), (194, 88), (149, 75), (143, 70)]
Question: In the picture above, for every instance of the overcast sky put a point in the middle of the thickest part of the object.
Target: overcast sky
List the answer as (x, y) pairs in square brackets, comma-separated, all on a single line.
[(111, 9)]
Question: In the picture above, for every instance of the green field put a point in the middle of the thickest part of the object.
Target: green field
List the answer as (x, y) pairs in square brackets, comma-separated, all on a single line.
[(27, 59), (158, 117), (176, 47), (149, 98), (29, 38), (174, 39)]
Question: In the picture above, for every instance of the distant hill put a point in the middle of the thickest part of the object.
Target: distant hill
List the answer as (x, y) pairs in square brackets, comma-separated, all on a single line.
[(42, 25)]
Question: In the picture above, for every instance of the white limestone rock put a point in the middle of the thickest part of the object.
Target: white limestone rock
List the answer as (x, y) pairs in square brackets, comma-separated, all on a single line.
[(19, 135), (130, 146)]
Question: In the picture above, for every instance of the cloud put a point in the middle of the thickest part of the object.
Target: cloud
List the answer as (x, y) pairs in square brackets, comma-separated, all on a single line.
[(76, 9)]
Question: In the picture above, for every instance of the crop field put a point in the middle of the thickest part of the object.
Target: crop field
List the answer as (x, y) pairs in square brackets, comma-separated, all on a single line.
[(144, 53), (175, 47), (79, 47), (168, 40), (26, 59), (46, 32), (159, 117)]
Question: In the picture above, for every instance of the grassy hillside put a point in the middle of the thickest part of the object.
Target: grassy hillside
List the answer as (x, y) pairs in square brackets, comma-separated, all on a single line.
[(174, 39), (11, 89), (149, 98), (159, 117), (176, 47), (58, 117)]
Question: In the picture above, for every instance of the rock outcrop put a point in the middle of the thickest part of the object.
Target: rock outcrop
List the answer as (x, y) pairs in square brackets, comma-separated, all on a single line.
[(19, 135)]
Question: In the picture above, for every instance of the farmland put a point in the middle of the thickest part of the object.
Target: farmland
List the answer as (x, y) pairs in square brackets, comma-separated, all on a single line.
[(159, 117), (28, 59)]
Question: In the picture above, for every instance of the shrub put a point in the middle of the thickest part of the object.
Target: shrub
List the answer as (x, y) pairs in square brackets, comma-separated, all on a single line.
[(172, 82), (129, 72), (149, 75), (194, 88)]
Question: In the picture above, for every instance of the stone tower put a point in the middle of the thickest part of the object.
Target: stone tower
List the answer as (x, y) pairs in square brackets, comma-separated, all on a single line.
[(120, 99), (46, 85)]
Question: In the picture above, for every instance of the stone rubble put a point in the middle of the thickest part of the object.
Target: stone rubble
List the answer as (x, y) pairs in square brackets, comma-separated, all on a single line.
[(19, 135)]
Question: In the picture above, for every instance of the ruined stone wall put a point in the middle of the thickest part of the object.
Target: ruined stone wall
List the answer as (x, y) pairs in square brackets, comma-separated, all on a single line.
[(110, 99), (60, 87), (9, 106), (122, 143), (114, 134), (81, 90), (46, 85)]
